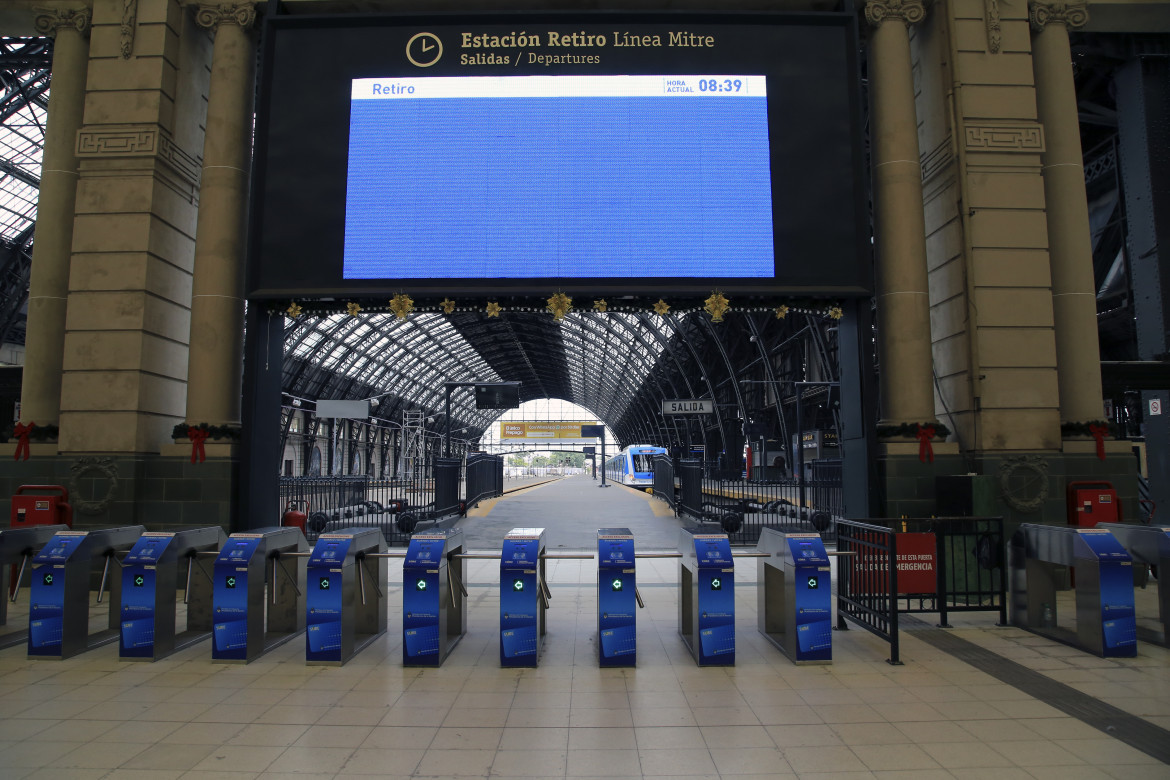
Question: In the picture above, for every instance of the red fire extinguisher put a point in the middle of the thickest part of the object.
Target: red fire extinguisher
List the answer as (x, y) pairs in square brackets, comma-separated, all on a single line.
[(295, 517)]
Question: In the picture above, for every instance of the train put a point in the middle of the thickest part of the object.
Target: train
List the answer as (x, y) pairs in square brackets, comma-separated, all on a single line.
[(634, 465)]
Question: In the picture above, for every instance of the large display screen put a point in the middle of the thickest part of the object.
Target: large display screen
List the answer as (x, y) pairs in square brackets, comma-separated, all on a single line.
[(504, 154)]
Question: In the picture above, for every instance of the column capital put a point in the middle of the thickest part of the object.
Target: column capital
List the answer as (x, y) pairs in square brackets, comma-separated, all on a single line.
[(1071, 15), (908, 11), (49, 20), (212, 15)]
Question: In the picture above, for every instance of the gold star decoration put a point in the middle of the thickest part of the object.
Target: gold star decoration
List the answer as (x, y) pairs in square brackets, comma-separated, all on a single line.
[(781, 312), (661, 308), (836, 312), (717, 306), (353, 308), (560, 305), (493, 309), (600, 305), (447, 305), (402, 305), (294, 310)]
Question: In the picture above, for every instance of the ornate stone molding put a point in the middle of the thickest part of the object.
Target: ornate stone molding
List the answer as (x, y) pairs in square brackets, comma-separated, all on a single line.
[(1071, 15), (986, 137), (994, 28), (129, 22), (145, 141), (212, 15), (908, 11), (49, 20)]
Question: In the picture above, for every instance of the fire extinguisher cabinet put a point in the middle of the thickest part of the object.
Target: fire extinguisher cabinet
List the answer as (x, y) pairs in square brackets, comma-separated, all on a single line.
[(1089, 503), (41, 505)]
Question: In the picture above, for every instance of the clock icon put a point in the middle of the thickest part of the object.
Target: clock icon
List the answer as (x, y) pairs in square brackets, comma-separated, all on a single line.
[(424, 49)]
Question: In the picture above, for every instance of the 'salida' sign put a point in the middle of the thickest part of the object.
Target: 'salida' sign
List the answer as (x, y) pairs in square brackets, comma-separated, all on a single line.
[(688, 406)]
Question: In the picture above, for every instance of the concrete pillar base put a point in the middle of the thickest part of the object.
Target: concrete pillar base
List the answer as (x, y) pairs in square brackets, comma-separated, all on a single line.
[(157, 491)]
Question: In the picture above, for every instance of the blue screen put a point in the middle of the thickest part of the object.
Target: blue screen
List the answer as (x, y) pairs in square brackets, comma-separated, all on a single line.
[(590, 181)]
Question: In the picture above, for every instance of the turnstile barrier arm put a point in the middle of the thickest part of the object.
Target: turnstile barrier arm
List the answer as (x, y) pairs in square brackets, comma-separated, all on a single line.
[(292, 579), (105, 575), (24, 559), (363, 572), (658, 555), (638, 597), (452, 583)]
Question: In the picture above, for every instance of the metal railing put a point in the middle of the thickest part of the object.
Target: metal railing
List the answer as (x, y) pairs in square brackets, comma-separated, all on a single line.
[(445, 487), (664, 484), (743, 508), (867, 580)]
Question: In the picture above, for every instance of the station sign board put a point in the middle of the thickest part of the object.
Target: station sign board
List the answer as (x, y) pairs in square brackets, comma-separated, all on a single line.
[(688, 406), (502, 153)]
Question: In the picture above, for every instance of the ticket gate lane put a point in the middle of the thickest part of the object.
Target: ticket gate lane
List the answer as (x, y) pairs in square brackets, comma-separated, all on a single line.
[(434, 600), (343, 616), (17, 548), (59, 620), (617, 594), (250, 568), (1105, 618), (707, 597), (794, 601), (1148, 546), (148, 627)]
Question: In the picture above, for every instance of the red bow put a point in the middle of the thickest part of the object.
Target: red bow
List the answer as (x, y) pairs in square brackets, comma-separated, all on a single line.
[(1099, 432), (925, 433), (197, 437), (22, 431)]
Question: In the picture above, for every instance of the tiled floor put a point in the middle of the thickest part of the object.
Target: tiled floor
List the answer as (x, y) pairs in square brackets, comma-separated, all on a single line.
[(94, 716)]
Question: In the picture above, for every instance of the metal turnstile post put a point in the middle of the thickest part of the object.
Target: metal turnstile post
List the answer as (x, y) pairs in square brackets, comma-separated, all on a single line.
[(1149, 546), (258, 593), (1104, 605), (794, 596), (434, 601), (523, 597), (706, 603), (617, 596), (151, 574), (346, 600), (58, 618), (17, 548)]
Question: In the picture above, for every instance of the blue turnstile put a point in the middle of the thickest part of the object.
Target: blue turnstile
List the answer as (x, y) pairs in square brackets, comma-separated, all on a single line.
[(346, 603), (58, 617), (1105, 621), (249, 568), (434, 604), (706, 603), (794, 605), (617, 630), (17, 548), (1149, 545), (523, 598), (150, 583)]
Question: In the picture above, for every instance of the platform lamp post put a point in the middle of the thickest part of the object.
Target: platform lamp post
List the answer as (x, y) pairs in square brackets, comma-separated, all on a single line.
[(488, 395)]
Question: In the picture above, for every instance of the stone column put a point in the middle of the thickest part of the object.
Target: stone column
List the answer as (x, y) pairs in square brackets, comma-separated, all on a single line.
[(1074, 299), (217, 307), (49, 283), (903, 303)]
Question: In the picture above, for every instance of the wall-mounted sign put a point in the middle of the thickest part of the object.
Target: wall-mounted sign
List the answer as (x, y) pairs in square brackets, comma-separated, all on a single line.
[(688, 406), (560, 431)]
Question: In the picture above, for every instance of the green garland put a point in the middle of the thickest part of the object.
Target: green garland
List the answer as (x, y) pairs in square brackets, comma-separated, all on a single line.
[(38, 433), (910, 430), (214, 432), (1082, 428)]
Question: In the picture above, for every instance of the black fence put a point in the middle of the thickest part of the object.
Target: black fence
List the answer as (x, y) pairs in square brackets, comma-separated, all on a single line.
[(914, 565), (664, 481), (446, 487), (742, 508), (867, 580)]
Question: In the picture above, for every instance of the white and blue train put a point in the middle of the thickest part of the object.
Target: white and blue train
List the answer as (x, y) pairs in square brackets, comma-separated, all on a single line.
[(634, 465)]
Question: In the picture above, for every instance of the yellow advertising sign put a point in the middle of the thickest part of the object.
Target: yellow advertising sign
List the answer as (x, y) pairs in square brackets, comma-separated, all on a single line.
[(542, 431)]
